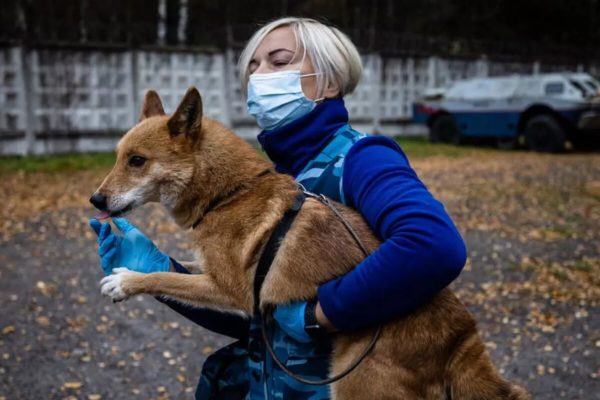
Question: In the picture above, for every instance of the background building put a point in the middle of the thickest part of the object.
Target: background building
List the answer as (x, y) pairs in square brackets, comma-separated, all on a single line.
[(72, 72)]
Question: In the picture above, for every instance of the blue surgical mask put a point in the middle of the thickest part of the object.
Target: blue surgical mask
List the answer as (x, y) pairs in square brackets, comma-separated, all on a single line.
[(276, 98)]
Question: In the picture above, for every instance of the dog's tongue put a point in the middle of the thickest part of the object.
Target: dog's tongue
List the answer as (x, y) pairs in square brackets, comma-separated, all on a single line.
[(102, 215)]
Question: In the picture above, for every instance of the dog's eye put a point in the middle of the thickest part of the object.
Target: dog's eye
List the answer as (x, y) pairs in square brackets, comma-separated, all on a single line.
[(136, 161)]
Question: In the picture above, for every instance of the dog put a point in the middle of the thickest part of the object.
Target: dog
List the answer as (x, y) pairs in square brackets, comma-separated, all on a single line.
[(210, 182)]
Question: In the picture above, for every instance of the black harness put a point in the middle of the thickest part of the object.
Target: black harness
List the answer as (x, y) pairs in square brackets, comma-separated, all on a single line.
[(272, 246), (262, 269), (266, 260)]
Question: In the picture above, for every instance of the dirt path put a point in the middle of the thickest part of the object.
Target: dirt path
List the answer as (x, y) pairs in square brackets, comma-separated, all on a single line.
[(531, 224)]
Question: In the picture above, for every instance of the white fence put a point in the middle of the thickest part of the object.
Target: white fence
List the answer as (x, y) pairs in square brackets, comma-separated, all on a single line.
[(74, 100)]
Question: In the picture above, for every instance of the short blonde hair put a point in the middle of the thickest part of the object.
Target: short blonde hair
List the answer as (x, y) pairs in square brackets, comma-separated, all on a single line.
[(331, 52)]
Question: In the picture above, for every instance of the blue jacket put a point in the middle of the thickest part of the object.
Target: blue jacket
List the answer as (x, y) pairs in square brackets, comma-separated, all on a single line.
[(422, 251)]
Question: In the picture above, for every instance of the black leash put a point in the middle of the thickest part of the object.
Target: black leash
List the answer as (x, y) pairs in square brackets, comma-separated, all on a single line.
[(262, 270)]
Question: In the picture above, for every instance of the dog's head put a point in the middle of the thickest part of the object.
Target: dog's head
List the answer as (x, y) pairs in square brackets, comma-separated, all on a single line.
[(155, 158)]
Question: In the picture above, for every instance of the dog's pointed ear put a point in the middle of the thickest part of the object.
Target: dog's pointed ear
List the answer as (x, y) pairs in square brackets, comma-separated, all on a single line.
[(187, 119), (152, 105)]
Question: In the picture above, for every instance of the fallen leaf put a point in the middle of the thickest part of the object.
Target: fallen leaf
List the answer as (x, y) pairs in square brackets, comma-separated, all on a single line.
[(47, 289), (8, 329), (72, 385)]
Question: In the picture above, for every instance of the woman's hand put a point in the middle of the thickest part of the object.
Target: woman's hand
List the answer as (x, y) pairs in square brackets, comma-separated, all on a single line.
[(323, 321), (291, 320), (133, 250)]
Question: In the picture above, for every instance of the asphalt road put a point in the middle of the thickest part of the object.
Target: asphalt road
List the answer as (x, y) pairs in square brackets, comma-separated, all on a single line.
[(533, 286)]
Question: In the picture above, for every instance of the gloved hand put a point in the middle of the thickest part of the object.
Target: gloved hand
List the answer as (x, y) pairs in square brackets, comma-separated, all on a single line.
[(291, 319), (133, 250)]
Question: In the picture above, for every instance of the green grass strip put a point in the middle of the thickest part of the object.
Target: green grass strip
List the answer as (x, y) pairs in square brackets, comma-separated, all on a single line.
[(56, 163), (413, 147), (422, 148)]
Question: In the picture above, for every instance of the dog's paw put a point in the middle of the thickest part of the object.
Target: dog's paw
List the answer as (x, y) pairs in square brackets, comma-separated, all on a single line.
[(115, 286)]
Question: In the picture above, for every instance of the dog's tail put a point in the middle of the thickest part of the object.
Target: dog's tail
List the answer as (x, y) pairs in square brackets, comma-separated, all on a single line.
[(472, 376)]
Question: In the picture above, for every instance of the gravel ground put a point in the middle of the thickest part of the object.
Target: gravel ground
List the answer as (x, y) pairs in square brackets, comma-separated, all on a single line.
[(532, 281)]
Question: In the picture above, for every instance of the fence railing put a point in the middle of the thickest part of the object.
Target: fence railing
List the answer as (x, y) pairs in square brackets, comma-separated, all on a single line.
[(76, 100)]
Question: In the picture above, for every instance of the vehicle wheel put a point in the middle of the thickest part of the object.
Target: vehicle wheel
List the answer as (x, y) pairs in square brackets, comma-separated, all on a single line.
[(444, 129), (543, 133)]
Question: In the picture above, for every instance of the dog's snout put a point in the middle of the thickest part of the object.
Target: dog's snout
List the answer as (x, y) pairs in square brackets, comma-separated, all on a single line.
[(99, 201)]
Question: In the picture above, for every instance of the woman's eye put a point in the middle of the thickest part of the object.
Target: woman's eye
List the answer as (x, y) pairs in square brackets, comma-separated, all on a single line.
[(136, 161), (252, 67)]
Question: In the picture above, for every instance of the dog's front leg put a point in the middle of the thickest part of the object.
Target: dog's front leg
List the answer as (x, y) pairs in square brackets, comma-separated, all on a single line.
[(196, 289), (194, 267)]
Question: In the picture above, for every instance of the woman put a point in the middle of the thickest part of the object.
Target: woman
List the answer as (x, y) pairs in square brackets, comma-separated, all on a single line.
[(297, 72)]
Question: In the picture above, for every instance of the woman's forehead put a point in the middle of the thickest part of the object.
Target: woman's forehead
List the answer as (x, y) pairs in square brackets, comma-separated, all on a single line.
[(282, 38)]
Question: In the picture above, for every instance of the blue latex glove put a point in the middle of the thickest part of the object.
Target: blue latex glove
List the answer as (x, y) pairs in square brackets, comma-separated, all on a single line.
[(291, 319), (133, 250)]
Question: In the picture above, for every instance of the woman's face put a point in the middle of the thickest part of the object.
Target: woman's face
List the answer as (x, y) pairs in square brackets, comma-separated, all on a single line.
[(278, 52)]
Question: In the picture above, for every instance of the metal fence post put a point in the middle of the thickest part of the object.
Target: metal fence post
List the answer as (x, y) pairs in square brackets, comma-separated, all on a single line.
[(410, 84), (28, 60), (377, 71), (432, 71), (134, 86), (224, 88)]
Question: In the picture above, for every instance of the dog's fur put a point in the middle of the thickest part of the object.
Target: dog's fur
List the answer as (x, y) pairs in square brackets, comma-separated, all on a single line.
[(192, 160)]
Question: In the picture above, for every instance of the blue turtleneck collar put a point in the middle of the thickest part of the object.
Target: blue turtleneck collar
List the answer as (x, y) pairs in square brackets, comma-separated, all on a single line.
[(293, 145)]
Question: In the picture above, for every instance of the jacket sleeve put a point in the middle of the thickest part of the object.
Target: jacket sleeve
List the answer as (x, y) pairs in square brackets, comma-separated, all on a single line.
[(421, 253), (231, 325)]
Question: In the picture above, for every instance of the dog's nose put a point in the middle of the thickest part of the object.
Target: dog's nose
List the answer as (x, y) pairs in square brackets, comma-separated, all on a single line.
[(99, 201)]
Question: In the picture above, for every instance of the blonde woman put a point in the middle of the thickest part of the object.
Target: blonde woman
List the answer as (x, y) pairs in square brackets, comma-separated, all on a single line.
[(297, 72)]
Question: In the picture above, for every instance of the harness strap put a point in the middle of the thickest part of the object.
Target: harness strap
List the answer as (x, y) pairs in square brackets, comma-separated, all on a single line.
[(449, 392), (272, 246), (262, 269)]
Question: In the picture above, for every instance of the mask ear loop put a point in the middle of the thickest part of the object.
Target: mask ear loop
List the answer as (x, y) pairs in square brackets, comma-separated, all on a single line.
[(319, 100)]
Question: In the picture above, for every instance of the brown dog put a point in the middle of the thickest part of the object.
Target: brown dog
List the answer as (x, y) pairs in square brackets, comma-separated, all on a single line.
[(186, 162)]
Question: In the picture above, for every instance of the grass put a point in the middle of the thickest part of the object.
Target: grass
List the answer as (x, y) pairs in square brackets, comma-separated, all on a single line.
[(422, 148), (413, 147), (56, 163)]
